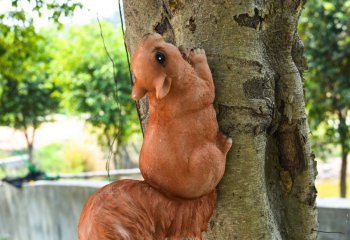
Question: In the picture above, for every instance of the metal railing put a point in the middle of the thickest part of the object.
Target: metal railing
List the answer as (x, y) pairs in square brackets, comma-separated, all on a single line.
[(112, 173)]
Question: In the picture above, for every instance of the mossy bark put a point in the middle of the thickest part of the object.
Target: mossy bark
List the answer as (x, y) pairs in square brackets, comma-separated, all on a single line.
[(256, 59)]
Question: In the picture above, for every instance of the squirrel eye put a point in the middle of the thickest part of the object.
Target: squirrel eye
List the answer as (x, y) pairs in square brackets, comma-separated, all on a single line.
[(160, 57)]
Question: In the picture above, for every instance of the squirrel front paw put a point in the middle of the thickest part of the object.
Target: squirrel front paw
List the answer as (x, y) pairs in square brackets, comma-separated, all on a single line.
[(197, 55)]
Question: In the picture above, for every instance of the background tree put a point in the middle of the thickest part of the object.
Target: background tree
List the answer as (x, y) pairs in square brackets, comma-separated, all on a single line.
[(256, 58), (53, 9), (92, 84), (28, 94), (96, 86), (328, 79)]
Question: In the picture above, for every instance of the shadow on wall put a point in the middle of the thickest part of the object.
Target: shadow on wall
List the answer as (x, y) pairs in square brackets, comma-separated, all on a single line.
[(50, 210)]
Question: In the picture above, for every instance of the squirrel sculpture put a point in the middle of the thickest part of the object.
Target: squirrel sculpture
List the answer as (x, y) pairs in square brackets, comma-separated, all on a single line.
[(182, 157)]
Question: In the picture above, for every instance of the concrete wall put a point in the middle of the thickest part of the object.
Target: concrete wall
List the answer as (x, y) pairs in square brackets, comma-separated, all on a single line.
[(49, 210), (334, 219), (44, 210)]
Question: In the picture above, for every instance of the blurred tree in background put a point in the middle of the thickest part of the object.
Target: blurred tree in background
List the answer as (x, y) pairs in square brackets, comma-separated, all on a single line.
[(18, 17), (27, 92), (95, 85), (25, 104), (325, 29), (63, 70)]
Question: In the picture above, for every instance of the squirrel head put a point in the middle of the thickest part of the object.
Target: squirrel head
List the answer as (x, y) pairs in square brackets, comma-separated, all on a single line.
[(155, 64)]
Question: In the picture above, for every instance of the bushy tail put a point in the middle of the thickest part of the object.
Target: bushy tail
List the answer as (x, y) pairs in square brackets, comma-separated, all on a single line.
[(133, 210)]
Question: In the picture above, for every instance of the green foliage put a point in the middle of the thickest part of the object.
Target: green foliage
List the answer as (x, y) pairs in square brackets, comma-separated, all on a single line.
[(50, 158), (2, 174), (17, 30), (68, 157), (28, 94), (27, 103), (3, 154), (94, 86), (42, 71), (325, 29), (53, 8)]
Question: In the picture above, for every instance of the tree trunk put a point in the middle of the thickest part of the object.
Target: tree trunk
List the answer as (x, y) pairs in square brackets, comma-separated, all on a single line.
[(30, 153), (30, 142), (256, 59), (343, 130), (343, 173)]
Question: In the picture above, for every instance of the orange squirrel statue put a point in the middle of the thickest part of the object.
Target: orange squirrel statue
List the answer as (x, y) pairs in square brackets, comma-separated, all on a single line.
[(182, 157)]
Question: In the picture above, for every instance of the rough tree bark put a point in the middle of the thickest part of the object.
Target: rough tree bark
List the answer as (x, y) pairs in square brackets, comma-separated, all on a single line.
[(256, 58), (343, 132)]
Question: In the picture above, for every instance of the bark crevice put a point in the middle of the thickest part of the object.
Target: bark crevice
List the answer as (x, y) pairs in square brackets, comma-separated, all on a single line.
[(255, 21), (294, 162)]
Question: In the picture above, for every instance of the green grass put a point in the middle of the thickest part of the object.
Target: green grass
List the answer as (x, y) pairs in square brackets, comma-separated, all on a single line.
[(330, 188), (50, 158), (66, 157), (4, 154)]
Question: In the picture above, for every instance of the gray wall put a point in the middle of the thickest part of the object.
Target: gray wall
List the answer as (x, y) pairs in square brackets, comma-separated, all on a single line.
[(44, 210), (50, 211), (334, 219)]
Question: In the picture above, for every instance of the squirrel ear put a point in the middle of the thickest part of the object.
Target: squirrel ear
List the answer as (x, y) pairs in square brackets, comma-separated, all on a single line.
[(137, 92), (163, 85)]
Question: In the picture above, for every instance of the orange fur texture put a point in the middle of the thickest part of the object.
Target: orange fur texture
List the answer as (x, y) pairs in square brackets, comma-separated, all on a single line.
[(182, 157), (133, 210), (183, 153)]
